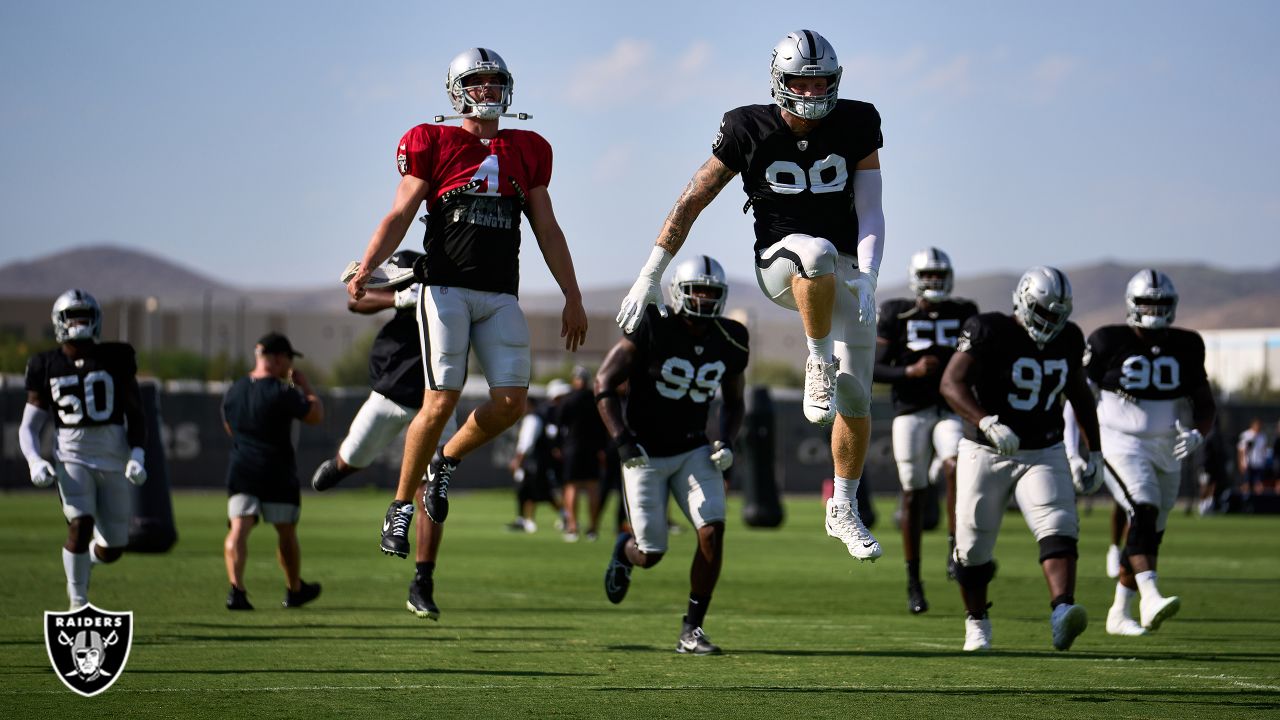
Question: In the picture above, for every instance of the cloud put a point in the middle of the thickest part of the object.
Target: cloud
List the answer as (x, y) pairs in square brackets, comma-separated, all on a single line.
[(634, 71), (1050, 74), (913, 72)]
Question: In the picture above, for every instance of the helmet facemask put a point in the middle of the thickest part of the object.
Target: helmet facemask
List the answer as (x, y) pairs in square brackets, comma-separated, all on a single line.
[(462, 85), (698, 287), (1151, 300), (932, 284), (809, 107), (804, 54), (77, 317), (1042, 303)]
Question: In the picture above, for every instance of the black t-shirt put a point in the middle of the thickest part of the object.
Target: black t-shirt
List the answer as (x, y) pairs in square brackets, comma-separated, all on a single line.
[(87, 391), (1163, 365), (675, 376), (1017, 380), (395, 363), (582, 430), (913, 333), (261, 414), (800, 185)]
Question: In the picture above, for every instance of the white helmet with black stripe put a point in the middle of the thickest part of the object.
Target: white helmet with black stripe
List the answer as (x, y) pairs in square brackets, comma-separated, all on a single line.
[(76, 316), (931, 275), (478, 61), (1151, 300), (805, 53), (1042, 303), (698, 287)]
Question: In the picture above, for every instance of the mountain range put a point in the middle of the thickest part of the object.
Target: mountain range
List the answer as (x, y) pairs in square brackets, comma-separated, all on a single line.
[(1210, 298)]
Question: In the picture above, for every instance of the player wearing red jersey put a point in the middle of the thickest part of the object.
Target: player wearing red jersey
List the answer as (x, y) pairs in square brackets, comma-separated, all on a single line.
[(477, 181)]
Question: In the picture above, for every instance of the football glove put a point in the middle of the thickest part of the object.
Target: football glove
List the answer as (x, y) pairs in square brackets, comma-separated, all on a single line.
[(1005, 439), (1086, 473), (1189, 440), (135, 470), (645, 291), (863, 288), (632, 453), (407, 297), (42, 473), (721, 456)]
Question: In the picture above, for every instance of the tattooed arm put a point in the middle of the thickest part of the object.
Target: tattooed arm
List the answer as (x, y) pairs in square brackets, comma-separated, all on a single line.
[(707, 182)]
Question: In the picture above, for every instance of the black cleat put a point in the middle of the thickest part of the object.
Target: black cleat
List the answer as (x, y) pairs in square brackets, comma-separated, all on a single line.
[(694, 641), (326, 476), (420, 602), (238, 599), (395, 528), (915, 598), (436, 496), (305, 594), (617, 577)]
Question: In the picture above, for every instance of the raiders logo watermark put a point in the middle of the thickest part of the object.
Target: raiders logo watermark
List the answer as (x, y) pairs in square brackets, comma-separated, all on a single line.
[(88, 647)]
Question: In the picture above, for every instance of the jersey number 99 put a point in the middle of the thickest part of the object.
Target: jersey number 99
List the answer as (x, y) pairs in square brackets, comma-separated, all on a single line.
[(679, 378)]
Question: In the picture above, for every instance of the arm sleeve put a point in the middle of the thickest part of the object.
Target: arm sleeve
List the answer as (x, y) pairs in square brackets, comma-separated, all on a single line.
[(33, 419), (867, 192), (530, 429)]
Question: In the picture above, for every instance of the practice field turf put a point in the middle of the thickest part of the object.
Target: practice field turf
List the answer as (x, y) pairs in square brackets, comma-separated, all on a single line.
[(526, 630)]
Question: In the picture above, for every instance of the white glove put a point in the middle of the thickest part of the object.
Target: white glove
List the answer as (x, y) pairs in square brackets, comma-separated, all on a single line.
[(863, 288), (407, 297), (646, 290), (721, 456), (1005, 439), (135, 470), (1086, 473), (1189, 440), (42, 473), (632, 454)]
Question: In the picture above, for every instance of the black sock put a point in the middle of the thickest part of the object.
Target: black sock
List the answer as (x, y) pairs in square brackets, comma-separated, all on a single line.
[(1063, 599), (913, 571), (697, 609), (425, 570)]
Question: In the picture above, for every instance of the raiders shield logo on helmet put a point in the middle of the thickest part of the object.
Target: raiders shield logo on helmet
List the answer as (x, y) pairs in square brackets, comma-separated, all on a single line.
[(88, 647)]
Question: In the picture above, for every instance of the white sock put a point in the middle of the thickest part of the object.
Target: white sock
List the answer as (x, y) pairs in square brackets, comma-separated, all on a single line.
[(1147, 584), (845, 490), (93, 553), (821, 348), (76, 566), (1124, 596)]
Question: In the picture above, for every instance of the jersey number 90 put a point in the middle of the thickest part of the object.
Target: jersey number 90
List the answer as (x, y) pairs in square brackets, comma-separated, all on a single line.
[(1141, 372), (680, 378)]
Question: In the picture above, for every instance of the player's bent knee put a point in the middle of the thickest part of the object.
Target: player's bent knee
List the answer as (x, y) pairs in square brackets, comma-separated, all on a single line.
[(975, 576), (853, 399), (1143, 538), (650, 558), (817, 257), (1058, 546), (79, 533), (110, 554)]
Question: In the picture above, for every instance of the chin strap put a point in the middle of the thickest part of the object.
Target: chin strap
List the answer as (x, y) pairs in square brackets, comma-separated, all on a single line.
[(518, 116)]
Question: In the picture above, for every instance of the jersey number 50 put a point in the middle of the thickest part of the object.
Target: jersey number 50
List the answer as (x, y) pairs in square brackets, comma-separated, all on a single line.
[(679, 379), (1029, 377), (99, 397)]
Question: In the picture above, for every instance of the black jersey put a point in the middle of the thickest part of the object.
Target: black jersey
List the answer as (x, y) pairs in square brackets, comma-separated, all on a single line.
[(1161, 365), (675, 376), (90, 399), (913, 332), (800, 185), (1017, 380), (395, 363)]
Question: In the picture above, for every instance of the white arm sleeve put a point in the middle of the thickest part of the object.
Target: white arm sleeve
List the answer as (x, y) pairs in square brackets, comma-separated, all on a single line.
[(530, 429), (33, 419), (868, 187)]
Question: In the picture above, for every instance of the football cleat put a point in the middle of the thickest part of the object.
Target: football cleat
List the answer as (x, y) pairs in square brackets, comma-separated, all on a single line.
[(617, 577), (1067, 621), (844, 523), (1113, 561), (305, 594), (693, 641), (395, 528), (420, 602), (436, 497), (570, 536), (238, 599), (819, 390), (977, 634), (915, 598), (326, 476), (1119, 623), (1155, 611)]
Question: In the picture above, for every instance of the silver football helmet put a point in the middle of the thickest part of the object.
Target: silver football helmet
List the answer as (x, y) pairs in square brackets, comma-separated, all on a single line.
[(931, 275), (699, 273), (76, 316), (805, 52), (478, 61), (1042, 303), (1151, 300)]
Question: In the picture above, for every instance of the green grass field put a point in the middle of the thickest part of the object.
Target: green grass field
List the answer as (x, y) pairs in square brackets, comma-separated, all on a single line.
[(526, 630)]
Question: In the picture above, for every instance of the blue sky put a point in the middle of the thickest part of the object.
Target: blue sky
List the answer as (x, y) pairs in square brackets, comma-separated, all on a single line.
[(256, 141)]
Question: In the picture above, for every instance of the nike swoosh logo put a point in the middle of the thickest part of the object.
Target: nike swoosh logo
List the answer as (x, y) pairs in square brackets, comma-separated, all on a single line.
[(386, 526), (867, 545), (821, 407)]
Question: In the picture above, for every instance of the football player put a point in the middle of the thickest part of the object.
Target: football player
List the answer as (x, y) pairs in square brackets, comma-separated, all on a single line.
[(1007, 380), (915, 337), (675, 364), (91, 390), (1155, 406), (397, 381), (810, 167), (477, 181)]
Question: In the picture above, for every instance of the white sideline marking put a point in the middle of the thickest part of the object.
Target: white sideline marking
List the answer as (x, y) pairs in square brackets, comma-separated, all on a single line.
[(627, 688)]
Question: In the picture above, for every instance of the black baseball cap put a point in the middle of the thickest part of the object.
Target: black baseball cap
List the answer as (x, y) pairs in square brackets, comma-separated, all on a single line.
[(274, 343)]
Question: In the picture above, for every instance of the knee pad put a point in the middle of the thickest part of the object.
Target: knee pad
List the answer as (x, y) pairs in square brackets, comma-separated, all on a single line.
[(1143, 538), (853, 399), (1056, 546), (975, 577), (815, 256)]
